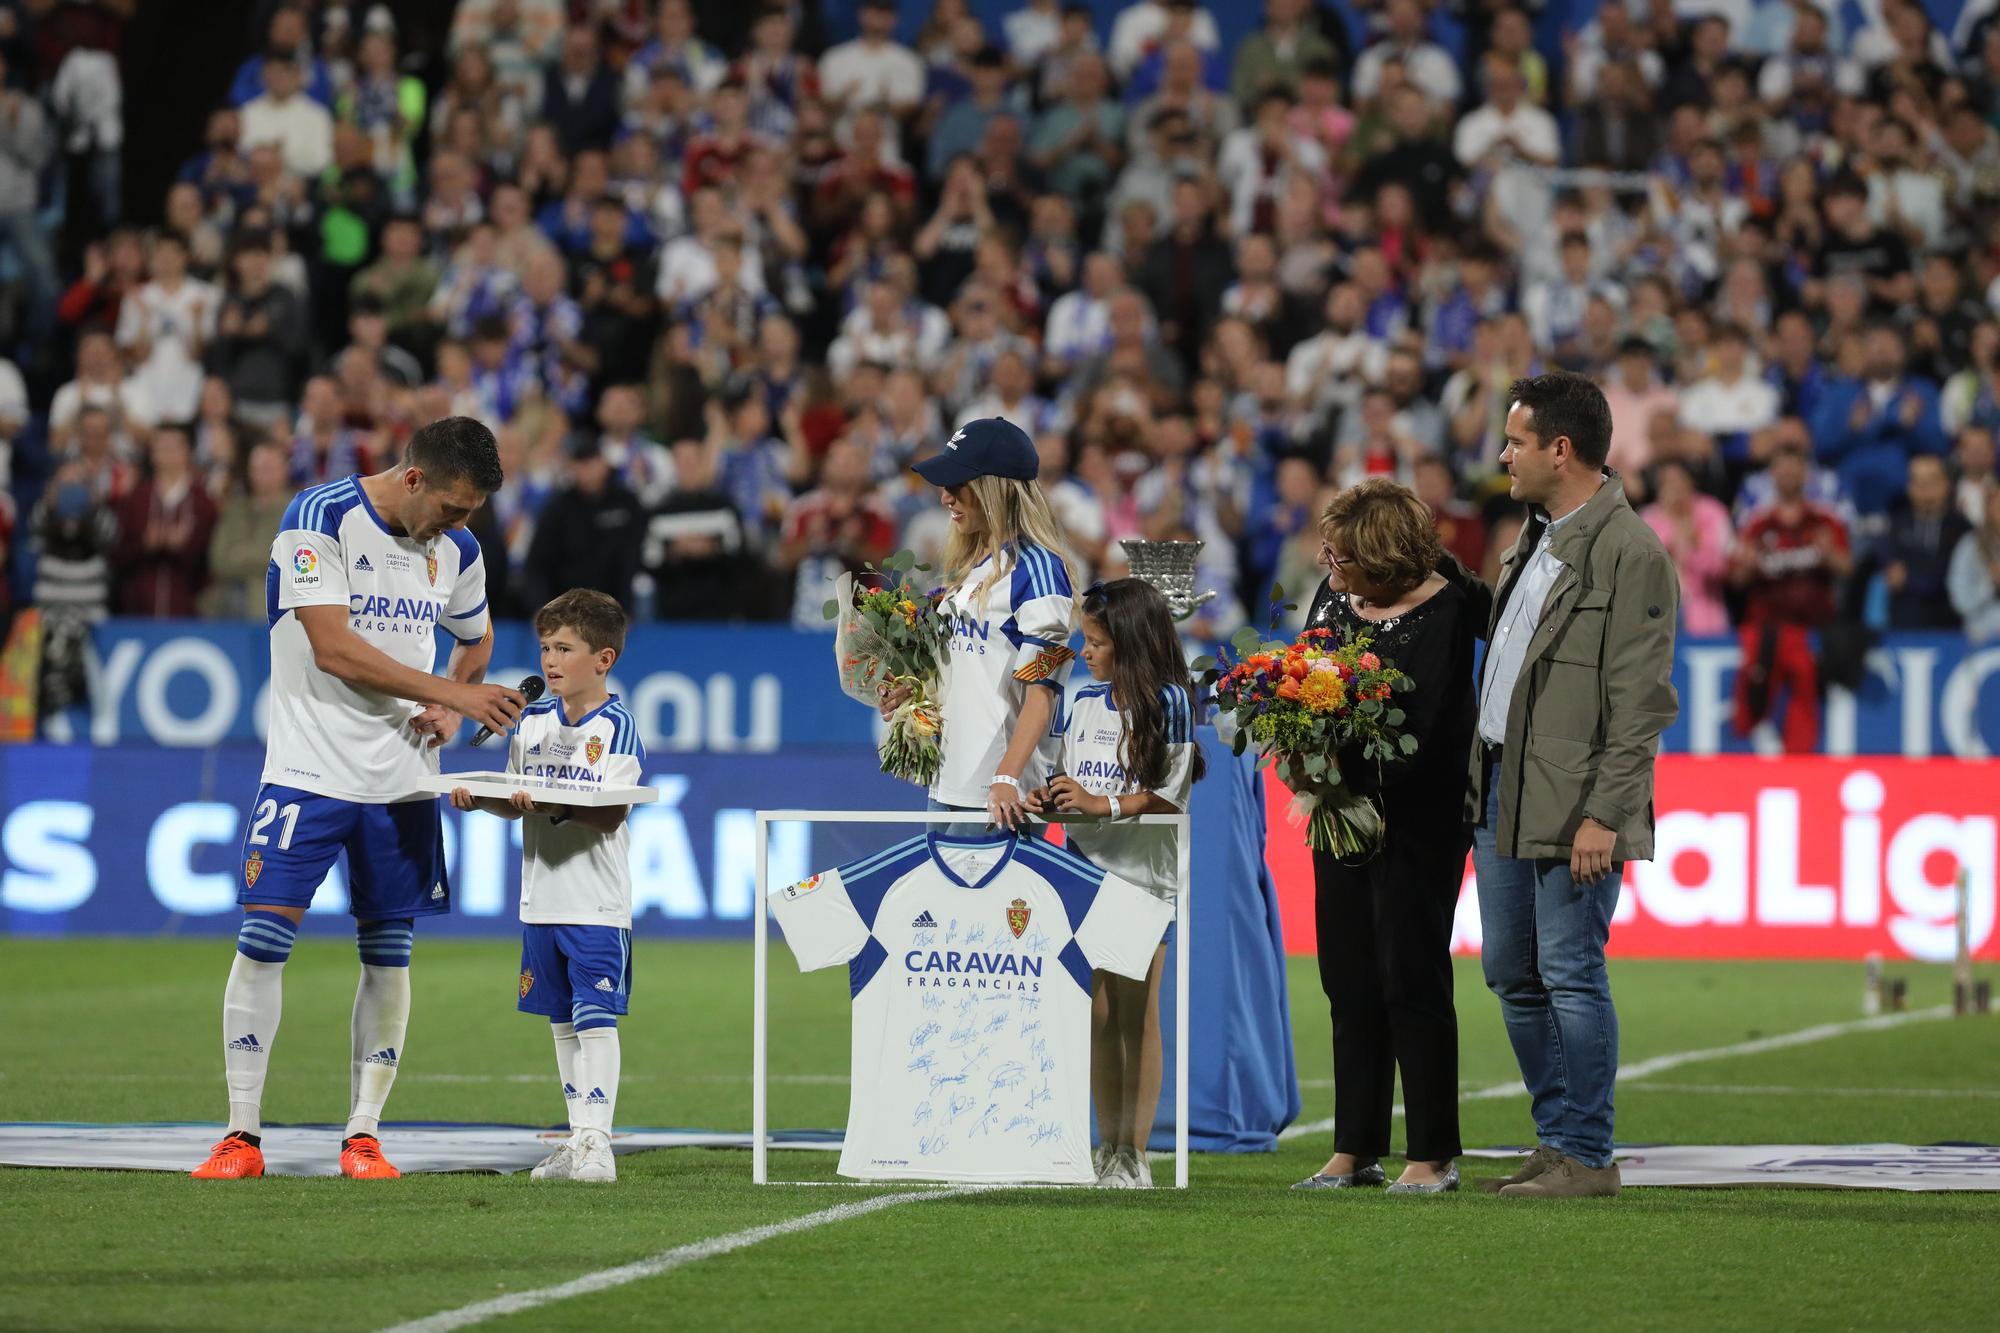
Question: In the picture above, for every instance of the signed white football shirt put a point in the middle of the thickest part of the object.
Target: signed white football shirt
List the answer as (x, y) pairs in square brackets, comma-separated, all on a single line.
[(969, 960)]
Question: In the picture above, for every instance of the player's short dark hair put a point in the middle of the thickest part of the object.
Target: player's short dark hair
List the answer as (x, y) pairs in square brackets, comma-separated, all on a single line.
[(596, 617), (1564, 403), (455, 448)]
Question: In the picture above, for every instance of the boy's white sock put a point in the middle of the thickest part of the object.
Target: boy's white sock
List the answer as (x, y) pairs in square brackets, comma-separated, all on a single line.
[(597, 1077), (566, 1054)]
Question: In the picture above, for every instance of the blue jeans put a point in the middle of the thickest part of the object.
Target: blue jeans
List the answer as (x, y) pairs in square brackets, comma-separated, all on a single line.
[(1544, 957), (978, 827)]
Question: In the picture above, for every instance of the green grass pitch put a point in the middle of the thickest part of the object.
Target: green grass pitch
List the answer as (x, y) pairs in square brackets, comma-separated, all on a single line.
[(115, 1030)]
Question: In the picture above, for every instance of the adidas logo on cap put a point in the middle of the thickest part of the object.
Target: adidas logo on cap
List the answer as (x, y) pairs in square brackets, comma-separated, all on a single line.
[(247, 1042), (925, 921)]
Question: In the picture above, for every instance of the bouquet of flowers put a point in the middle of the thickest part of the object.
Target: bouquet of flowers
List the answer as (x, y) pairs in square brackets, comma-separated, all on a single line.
[(1300, 703), (889, 632)]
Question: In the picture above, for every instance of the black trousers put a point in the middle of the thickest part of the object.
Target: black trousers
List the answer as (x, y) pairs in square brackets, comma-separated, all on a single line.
[(1384, 933)]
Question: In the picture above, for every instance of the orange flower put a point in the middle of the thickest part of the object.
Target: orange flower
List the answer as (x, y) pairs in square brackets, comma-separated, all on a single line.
[(1323, 692), (1288, 688)]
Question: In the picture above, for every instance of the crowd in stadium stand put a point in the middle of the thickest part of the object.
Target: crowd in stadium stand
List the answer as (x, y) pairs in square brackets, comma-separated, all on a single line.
[(713, 302)]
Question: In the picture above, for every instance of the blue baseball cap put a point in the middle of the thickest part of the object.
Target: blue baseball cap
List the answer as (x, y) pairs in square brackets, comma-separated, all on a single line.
[(988, 447)]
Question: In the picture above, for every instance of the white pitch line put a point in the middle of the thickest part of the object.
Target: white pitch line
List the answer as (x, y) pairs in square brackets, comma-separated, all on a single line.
[(664, 1262), (1774, 1090), (1660, 1064)]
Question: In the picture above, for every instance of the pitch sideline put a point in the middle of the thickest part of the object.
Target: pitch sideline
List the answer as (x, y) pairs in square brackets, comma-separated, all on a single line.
[(664, 1262), (1660, 1064)]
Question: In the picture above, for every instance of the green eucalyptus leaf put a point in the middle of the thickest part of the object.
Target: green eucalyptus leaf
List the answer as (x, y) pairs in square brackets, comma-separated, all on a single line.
[(1408, 744), (1395, 718), (831, 610)]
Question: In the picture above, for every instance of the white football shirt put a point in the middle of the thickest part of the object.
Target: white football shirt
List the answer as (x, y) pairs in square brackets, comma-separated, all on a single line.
[(332, 549), (572, 876), (1017, 641), (969, 960), (1092, 734)]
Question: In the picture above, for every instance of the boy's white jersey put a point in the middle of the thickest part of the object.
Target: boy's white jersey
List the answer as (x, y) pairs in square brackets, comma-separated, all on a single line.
[(1093, 733), (573, 876), (1017, 641), (969, 960), (332, 549)]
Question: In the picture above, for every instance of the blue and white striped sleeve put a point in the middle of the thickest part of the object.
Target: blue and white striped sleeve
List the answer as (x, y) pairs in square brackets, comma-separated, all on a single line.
[(465, 615), (1044, 616), (1180, 738)]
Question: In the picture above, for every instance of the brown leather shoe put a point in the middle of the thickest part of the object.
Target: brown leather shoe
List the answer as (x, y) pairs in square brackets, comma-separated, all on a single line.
[(1568, 1179), (1538, 1161)]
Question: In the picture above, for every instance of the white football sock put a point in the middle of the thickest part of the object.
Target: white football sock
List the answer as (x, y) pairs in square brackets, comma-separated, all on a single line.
[(381, 1015), (597, 1078), (252, 1000), (566, 1048)]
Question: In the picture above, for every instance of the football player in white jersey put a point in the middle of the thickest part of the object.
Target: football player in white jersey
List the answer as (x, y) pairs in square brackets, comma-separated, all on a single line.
[(1012, 605), (1128, 748), (363, 572), (576, 879)]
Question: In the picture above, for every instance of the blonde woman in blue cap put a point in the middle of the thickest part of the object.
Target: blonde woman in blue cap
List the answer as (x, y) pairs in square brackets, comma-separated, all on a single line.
[(1012, 601)]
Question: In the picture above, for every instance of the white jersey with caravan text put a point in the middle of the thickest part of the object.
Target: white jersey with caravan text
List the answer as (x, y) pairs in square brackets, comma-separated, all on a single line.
[(969, 960), (573, 876), (333, 550), (1092, 735), (1017, 641)]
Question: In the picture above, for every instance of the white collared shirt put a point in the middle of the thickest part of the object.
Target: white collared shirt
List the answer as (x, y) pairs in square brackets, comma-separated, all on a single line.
[(1508, 650)]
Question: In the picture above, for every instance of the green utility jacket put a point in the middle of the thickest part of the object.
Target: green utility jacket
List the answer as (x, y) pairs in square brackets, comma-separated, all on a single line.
[(1595, 691)]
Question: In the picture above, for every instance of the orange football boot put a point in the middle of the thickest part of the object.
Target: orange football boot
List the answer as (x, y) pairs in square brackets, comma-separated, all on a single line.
[(361, 1159), (235, 1158)]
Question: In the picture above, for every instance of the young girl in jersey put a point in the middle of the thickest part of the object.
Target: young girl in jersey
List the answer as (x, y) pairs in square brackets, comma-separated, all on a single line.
[(1012, 608), (1128, 748)]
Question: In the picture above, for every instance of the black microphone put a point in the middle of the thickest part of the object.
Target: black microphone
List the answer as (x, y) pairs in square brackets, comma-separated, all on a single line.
[(531, 688)]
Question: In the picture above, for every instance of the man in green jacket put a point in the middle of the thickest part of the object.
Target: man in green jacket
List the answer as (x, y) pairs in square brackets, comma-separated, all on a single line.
[(1574, 692)]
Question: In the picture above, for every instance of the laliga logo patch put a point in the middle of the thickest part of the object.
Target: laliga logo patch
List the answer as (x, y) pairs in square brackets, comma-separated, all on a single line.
[(305, 565), (1017, 916), (253, 868), (593, 749), (802, 888), (527, 982), (431, 566)]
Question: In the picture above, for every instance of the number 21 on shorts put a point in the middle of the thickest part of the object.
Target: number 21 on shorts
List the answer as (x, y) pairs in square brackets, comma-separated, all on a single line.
[(268, 810)]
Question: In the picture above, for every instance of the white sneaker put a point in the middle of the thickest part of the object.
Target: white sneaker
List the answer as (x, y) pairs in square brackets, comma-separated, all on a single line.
[(591, 1158), (1100, 1161), (1131, 1164), (1145, 1169), (1118, 1174), (556, 1166)]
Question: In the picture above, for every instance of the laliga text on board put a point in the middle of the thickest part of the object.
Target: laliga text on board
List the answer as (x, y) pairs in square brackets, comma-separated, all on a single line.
[(1809, 857)]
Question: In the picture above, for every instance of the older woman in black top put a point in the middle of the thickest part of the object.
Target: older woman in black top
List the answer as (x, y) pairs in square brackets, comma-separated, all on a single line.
[(1384, 925)]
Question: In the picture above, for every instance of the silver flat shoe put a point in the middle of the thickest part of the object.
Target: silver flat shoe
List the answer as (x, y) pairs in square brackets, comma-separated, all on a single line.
[(1447, 1185), (1360, 1178)]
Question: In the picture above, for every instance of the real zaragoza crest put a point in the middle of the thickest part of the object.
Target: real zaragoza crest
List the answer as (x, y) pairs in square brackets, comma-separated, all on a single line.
[(593, 750), (1017, 916), (527, 982), (253, 868), (431, 566)]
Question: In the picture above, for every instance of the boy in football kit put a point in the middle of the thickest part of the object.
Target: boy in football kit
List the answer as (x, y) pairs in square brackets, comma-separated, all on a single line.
[(363, 571), (576, 881)]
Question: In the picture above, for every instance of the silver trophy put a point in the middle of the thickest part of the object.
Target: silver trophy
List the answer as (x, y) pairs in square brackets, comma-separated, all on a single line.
[(1169, 567)]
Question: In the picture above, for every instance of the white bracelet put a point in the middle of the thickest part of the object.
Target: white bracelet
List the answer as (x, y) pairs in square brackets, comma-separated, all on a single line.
[(1015, 783), (1114, 806)]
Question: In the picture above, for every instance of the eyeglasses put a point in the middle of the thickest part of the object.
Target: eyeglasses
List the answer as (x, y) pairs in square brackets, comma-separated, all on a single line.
[(1332, 561)]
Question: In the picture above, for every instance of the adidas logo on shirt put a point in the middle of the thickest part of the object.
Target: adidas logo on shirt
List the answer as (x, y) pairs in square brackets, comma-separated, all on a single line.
[(385, 1056), (247, 1042), (596, 1098), (924, 922), (536, 748), (362, 565)]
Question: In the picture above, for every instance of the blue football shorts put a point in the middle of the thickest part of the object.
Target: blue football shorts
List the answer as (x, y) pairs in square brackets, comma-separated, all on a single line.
[(568, 971), (395, 853)]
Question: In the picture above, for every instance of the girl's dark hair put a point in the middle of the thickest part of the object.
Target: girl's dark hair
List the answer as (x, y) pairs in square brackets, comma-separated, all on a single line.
[(1146, 657)]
